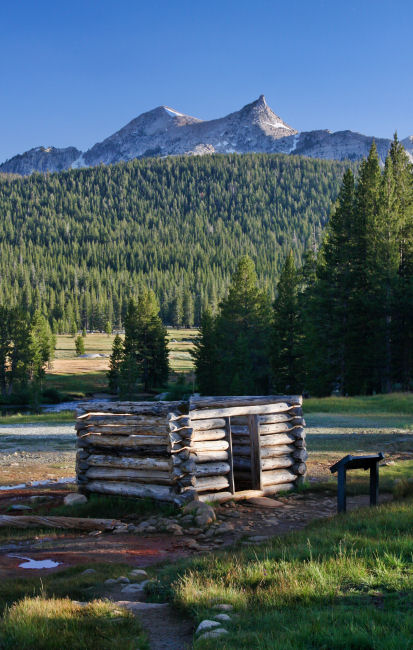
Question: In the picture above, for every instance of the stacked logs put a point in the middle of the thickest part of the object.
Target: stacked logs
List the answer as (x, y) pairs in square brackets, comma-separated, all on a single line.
[(221, 446), (134, 449), (263, 442)]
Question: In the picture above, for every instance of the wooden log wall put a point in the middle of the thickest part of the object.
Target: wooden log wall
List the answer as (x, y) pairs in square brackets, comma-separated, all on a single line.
[(265, 449), (213, 447), (137, 449)]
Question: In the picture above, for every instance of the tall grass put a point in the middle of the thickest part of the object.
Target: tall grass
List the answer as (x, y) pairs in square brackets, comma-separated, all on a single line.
[(392, 403), (343, 583)]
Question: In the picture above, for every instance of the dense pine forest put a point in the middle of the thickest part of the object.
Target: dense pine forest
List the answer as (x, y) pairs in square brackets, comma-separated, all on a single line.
[(79, 244)]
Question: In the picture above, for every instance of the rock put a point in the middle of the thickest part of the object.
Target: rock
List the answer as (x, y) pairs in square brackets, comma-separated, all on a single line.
[(192, 543), (224, 607), (87, 572), (139, 573), (110, 581), (213, 634), (203, 513), (123, 579), (175, 529), (187, 519), (74, 499), (118, 530), (206, 625), (222, 617), (20, 507), (133, 588), (145, 527), (224, 528), (264, 502)]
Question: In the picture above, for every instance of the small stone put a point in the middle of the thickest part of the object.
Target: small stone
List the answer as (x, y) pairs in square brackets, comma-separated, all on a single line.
[(87, 572), (224, 529), (224, 607), (213, 634), (204, 514), (20, 507), (145, 527), (175, 529), (74, 499), (192, 543), (206, 625), (110, 581), (133, 588), (118, 530), (139, 573), (222, 617), (123, 579)]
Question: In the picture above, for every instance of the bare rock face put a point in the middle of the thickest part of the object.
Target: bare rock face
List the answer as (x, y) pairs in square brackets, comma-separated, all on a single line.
[(41, 159), (164, 131)]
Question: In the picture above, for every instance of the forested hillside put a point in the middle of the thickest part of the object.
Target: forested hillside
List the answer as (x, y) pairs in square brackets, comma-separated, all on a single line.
[(79, 243)]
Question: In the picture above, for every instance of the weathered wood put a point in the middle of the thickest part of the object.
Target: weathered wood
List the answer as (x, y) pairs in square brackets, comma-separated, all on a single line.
[(133, 475), (118, 418), (121, 488), (274, 477), (37, 521), (210, 434), (211, 483), (299, 468), (121, 430), (132, 462), (179, 422), (228, 437), (204, 425), (210, 445), (212, 469), (247, 494), (240, 430), (279, 462), (239, 410), (273, 418), (101, 440), (277, 439), (208, 456), (255, 438), (300, 454), (197, 402), (138, 408), (276, 427)]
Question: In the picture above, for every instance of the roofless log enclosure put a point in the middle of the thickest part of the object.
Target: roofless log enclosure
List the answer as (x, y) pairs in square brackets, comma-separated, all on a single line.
[(216, 447)]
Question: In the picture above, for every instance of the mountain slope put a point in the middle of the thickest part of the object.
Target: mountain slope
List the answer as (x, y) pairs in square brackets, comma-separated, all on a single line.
[(164, 131), (82, 241)]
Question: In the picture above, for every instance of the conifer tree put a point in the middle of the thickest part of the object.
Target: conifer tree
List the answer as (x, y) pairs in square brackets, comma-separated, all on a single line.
[(286, 351), (205, 354), (115, 363)]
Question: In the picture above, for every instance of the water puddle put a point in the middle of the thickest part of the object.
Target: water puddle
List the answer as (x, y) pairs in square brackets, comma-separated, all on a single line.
[(36, 564)]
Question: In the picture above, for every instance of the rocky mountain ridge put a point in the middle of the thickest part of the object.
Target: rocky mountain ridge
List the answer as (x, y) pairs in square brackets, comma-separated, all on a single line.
[(164, 131)]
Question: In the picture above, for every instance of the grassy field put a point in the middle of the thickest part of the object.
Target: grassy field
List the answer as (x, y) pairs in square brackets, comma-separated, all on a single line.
[(76, 378), (343, 583), (392, 403), (41, 613)]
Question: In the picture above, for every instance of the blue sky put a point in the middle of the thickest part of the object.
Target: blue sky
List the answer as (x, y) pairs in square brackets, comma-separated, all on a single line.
[(71, 73)]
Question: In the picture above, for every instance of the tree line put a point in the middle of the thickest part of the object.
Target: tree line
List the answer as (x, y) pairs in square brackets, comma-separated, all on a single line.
[(77, 245), (342, 321), (26, 348)]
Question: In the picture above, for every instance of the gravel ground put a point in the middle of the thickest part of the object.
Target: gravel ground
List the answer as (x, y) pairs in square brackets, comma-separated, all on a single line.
[(36, 452)]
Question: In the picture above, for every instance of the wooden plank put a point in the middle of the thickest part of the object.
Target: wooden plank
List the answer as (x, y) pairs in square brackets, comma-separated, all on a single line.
[(196, 402), (122, 441), (228, 437), (212, 469), (277, 439), (132, 462), (209, 445), (121, 430), (135, 408), (212, 483), (132, 475), (269, 490), (209, 456), (255, 452), (161, 492), (204, 425), (273, 418), (276, 427), (210, 434), (200, 414), (278, 462)]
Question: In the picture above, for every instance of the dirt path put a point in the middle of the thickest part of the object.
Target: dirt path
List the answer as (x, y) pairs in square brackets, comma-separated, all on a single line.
[(166, 629)]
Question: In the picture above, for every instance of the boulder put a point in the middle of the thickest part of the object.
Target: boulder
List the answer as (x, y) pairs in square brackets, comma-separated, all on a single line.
[(222, 617), (203, 513), (213, 634), (74, 499), (139, 573), (206, 625), (224, 607)]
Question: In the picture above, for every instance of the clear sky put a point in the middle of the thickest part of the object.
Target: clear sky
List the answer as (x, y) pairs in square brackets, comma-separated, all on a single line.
[(72, 73)]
